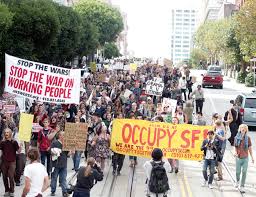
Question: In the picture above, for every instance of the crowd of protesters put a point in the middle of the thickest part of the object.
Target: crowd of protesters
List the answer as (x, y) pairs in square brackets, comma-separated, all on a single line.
[(100, 103)]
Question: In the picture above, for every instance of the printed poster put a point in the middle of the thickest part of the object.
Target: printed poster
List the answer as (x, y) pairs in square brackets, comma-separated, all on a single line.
[(42, 82), (140, 137)]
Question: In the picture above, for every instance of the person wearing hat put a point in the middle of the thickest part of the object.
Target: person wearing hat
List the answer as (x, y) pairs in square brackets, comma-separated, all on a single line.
[(150, 167), (210, 148)]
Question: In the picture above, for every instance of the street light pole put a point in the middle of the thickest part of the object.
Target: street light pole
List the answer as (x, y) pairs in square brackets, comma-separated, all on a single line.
[(253, 60)]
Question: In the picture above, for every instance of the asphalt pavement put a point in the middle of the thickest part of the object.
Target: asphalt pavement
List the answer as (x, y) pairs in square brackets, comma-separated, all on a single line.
[(187, 183)]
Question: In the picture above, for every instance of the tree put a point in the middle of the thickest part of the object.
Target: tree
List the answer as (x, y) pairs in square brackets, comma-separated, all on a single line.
[(245, 29), (107, 19), (111, 50), (66, 43), (198, 58), (35, 26)]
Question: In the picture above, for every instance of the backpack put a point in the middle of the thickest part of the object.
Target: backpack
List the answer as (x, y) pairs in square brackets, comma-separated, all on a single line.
[(158, 182)]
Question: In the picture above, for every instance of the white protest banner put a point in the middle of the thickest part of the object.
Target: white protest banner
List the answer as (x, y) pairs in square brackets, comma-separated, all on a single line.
[(154, 88), (9, 109), (42, 82), (170, 103)]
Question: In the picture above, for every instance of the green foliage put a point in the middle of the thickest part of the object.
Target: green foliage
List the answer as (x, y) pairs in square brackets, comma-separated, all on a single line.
[(107, 19), (250, 80), (111, 50), (35, 26), (197, 55), (241, 77), (245, 29)]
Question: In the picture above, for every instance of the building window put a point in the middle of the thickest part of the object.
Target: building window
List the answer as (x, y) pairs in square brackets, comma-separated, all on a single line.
[(187, 20), (178, 41), (185, 37), (185, 42), (178, 24), (187, 11), (178, 37), (186, 46), (185, 24), (178, 10), (177, 45)]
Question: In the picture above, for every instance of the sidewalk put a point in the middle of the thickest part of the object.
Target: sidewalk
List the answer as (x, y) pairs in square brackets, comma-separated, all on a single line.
[(232, 84)]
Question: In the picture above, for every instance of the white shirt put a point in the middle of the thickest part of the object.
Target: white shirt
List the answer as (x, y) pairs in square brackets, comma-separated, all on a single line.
[(183, 84), (209, 153), (148, 168), (36, 172)]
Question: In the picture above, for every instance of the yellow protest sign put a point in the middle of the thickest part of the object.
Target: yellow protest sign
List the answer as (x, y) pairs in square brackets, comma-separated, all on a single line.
[(25, 127), (140, 137), (133, 67), (93, 67)]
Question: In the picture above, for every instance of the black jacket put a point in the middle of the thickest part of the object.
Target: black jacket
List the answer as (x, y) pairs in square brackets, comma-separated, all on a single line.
[(215, 147), (84, 184)]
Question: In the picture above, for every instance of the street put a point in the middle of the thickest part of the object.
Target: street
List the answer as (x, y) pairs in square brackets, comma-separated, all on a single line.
[(187, 182)]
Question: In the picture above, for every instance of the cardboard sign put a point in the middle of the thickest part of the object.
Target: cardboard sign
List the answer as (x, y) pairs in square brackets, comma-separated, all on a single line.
[(36, 127), (170, 103), (112, 80), (75, 136), (140, 137), (10, 109), (100, 77), (154, 88), (25, 127), (42, 82), (193, 80)]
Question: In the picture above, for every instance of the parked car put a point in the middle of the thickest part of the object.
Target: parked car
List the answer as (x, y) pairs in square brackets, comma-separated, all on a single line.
[(246, 103), (213, 78)]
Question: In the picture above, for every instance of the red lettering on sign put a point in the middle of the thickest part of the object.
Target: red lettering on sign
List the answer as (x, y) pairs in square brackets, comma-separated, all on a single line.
[(125, 127), (185, 139)]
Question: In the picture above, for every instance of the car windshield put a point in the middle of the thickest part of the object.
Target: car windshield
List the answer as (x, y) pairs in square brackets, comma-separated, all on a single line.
[(214, 68), (250, 103)]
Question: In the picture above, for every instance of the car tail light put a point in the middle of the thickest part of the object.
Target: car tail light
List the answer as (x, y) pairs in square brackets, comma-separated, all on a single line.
[(242, 111)]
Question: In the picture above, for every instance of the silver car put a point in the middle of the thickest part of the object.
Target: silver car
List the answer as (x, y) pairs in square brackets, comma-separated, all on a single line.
[(247, 107)]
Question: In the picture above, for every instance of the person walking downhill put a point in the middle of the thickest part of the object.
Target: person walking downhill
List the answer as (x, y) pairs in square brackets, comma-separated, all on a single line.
[(199, 98), (59, 163), (243, 146), (44, 143), (156, 172), (9, 148), (36, 177), (209, 147)]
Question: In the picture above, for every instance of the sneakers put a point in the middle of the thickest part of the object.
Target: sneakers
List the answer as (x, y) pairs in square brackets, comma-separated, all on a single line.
[(210, 186), (176, 170), (18, 184), (114, 172), (204, 184), (242, 190), (236, 184), (118, 173), (11, 194), (6, 194), (53, 194)]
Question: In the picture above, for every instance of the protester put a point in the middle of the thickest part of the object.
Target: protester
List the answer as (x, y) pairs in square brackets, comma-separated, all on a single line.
[(188, 110), (182, 117), (44, 144), (199, 119), (183, 87), (243, 146), (36, 177), (209, 146), (86, 178), (156, 172), (59, 164), (9, 148), (199, 98)]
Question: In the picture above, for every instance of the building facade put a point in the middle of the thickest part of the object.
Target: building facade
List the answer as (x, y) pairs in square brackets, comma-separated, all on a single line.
[(183, 24)]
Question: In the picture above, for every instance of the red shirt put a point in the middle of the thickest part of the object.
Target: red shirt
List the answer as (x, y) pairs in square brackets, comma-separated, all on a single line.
[(9, 149)]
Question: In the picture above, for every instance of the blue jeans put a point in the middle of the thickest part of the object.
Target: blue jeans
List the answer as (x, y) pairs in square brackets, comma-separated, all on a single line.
[(76, 159), (46, 155), (241, 166), (81, 194), (211, 164), (62, 173)]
